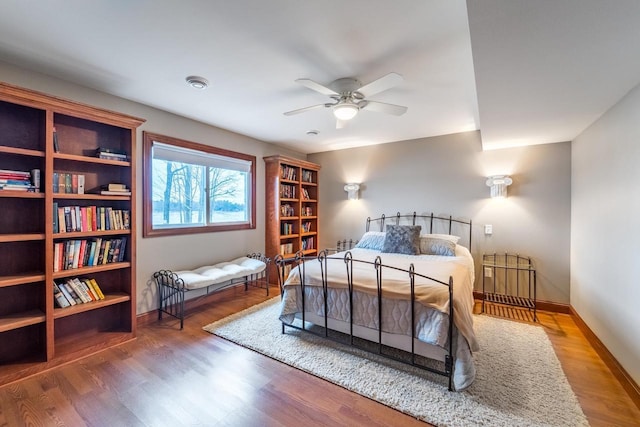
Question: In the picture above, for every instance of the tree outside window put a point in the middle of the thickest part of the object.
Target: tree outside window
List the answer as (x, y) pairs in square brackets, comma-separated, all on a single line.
[(192, 188)]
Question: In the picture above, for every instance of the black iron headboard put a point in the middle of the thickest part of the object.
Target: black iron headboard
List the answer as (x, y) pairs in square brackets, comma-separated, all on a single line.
[(441, 223)]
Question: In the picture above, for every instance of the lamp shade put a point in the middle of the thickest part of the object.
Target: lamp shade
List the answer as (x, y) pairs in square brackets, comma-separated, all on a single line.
[(352, 191), (498, 185), (345, 110)]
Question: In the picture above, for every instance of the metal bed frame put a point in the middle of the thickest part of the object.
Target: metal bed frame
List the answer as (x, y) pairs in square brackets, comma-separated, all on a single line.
[(299, 261), (172, 290)]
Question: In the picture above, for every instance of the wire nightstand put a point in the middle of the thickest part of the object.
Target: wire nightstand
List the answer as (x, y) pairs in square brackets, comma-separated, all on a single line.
[(509, 279)]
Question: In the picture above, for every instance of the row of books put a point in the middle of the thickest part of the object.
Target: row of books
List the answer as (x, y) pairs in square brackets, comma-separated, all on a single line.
[(287, 210), (307, 176), (75, 291), (15, 180), (286, 248), (307, 243), (70, 183), (287, 228), (306, 211), (306, 226), (88, 253), (68, 219), (287, 172), (287, 191), (305, 194)]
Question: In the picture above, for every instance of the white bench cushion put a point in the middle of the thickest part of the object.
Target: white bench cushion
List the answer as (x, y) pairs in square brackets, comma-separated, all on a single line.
[(219, 273)]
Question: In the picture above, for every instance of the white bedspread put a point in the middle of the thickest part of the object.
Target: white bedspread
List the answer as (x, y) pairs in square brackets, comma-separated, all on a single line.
[(432, 306)]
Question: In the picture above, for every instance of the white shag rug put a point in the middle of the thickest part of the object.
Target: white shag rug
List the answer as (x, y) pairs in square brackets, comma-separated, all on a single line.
[(519, 379)]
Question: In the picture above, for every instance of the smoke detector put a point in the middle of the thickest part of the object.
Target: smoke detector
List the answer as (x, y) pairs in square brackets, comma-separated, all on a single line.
[(197, 82)]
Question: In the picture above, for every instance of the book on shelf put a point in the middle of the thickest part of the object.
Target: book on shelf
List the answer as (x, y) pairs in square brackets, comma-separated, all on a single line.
[(111, 154), (114, 186), (56, 147), (115, 193), (68, 183), (61, 300), (70, 298), (80, 184), (112, 189)]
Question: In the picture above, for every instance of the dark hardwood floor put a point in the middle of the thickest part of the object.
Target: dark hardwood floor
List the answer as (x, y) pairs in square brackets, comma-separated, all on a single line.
[(169, 377)]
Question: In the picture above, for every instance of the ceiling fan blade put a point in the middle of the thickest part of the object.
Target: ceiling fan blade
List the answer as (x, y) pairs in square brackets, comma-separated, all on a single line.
[(302, 110), (380, 85), (317, 87), (340, 124), (382, 107)]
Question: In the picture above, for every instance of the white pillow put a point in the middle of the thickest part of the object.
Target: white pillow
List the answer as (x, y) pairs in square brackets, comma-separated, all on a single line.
[(372, 240), (437, 246), (449, 237)]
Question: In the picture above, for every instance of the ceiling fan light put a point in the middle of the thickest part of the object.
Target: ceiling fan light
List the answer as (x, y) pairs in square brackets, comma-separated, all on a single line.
[(345, 111)]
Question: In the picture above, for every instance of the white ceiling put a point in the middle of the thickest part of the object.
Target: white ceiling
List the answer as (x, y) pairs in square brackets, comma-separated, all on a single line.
[(544, 69)]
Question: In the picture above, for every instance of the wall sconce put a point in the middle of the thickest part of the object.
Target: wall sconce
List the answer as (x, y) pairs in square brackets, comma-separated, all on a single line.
[(352, 191), (498, 184)]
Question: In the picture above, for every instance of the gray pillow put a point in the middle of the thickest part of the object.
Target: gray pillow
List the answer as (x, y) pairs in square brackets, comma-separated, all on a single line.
[(402, 239), (437, 246)]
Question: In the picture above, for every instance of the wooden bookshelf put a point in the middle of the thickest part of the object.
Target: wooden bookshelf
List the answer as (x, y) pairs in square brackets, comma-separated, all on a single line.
[(35, 334), (291, 208)]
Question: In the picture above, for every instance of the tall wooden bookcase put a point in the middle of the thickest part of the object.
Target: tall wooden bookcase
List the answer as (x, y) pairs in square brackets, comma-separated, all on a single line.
[(35, 334), (291, 208)]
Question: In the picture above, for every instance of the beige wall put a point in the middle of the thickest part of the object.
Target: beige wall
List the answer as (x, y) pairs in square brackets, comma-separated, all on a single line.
[(446, 175), (167, 252), (605, 230)]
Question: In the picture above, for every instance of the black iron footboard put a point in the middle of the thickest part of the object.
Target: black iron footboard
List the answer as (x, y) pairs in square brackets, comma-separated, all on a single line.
[(172, 290), (414, 359)]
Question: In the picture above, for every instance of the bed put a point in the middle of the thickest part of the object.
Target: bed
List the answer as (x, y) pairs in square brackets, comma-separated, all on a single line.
[(394, 294)]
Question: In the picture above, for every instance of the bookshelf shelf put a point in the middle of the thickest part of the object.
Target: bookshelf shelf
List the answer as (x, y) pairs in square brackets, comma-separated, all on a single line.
[(20, 320), (21, 151), (87, 159), (88, 196), (110, 299), (80, 234), (21, 194), (21, 237), (292, 205), (83, 271), (21, 279), (56, 136)]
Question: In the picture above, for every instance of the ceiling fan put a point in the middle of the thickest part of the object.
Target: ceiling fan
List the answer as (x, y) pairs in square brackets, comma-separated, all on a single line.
[(349, 97)]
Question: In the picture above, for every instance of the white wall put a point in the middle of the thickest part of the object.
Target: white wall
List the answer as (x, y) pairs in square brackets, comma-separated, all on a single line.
[(605, 230), (167, 252), (446, 175)]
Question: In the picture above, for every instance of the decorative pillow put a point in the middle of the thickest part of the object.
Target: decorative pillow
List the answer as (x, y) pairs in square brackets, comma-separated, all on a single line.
[(450, 237), (402, 239), (437, 246), (372, 240)]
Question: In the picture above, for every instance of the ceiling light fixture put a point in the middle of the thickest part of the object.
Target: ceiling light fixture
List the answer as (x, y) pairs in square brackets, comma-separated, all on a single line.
[(197, 82), (345, 110), (313, 132)]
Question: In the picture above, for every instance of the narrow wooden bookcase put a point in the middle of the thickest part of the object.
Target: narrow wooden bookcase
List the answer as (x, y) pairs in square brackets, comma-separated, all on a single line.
[(291, 208), (35, 335)]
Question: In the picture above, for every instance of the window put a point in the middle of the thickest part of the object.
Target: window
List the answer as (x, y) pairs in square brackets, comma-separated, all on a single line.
[(195, 188)]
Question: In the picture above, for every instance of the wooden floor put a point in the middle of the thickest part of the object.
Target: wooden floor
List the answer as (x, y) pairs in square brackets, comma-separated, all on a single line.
[(169, 377)]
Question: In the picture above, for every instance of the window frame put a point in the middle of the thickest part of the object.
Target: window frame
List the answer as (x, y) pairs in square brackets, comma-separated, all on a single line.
[(147, 183)]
